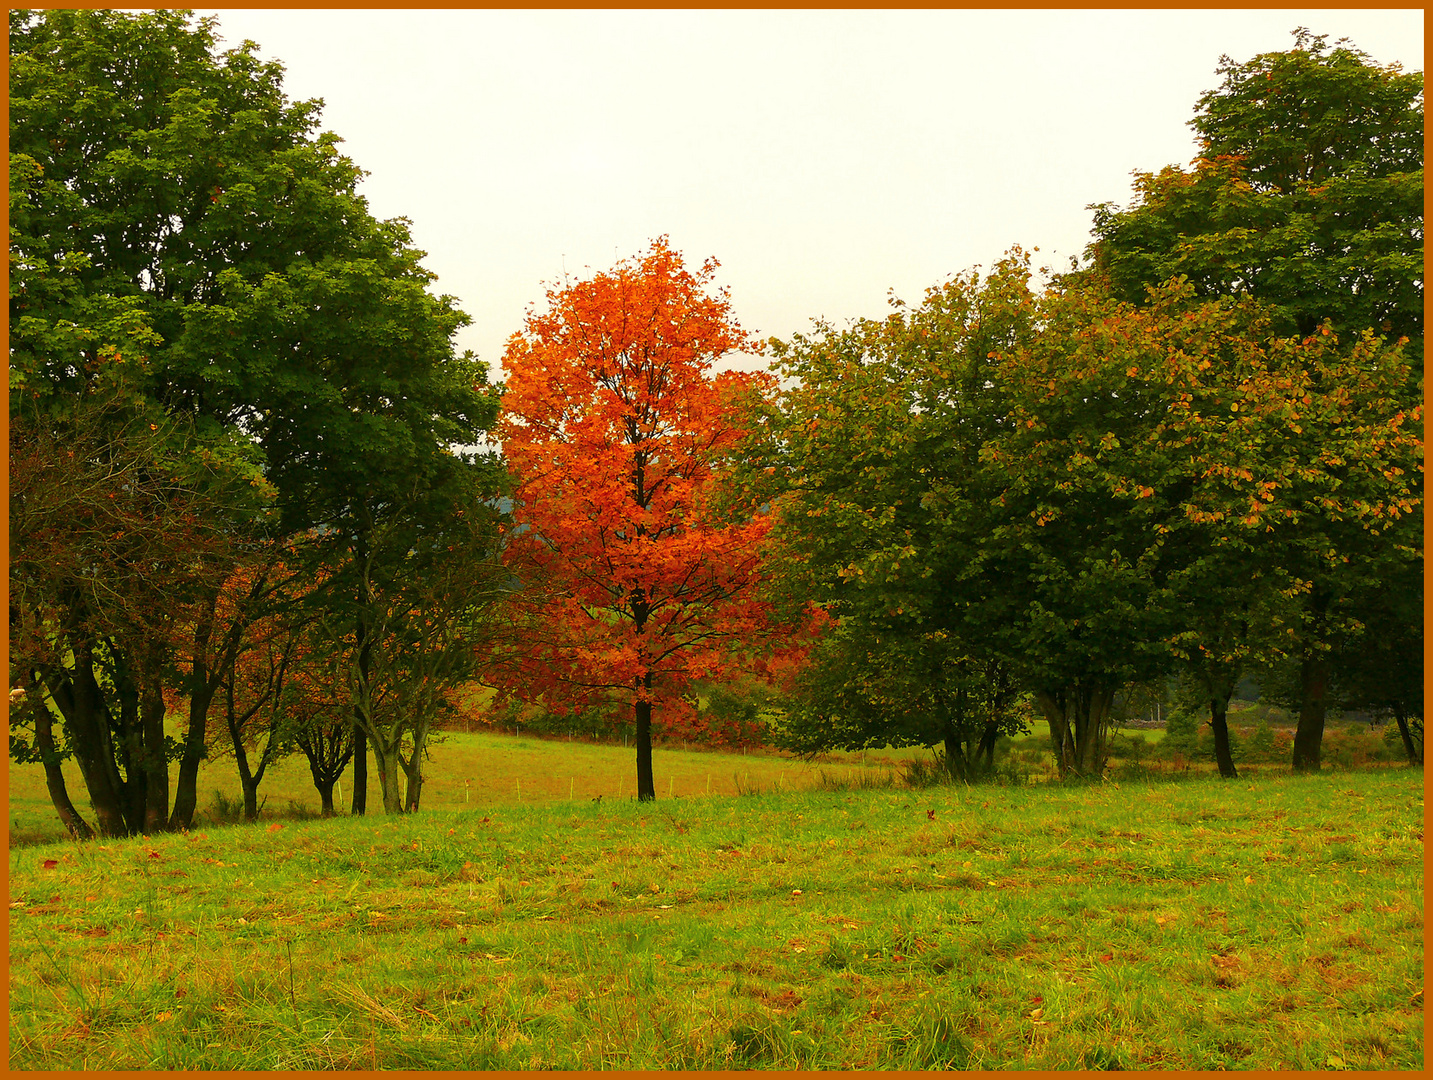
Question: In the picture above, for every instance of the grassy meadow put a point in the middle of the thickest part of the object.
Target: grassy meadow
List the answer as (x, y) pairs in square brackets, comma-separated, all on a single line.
[(475, 769), (784, 921)]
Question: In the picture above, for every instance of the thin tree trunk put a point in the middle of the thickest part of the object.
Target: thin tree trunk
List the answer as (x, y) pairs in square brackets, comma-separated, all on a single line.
[(74, 824), (201, 693), (1219, 721), (414, 772), (413, 769), (1313, 704), (954, 759), (1415, 752), (155, 768), (129, 745), (646, 786), (1053, 706), (186, 783), (360, 771), (389, 765), (78, 697), (986, 753)]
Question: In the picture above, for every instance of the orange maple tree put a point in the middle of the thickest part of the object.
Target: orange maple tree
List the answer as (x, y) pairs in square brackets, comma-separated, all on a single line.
[(640, 569)]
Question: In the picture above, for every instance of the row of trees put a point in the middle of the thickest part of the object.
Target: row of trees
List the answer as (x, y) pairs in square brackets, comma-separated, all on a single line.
[(1200, 454), (242, 476), (234, 408)]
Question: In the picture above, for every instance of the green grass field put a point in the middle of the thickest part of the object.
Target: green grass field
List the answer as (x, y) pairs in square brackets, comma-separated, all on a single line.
[(1271, 922)]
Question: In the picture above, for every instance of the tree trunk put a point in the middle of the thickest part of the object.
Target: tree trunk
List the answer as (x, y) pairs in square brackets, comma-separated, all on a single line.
[(413, 769), (360, 771), (128, 744), (1061, 742), (363, 699), (325, 796), (1308, 737), (390, 766), (74, 824), (152, 762), (1219, 688), (1078, 714), (201, 694), (986, 753), (78, 696), (1219, 721), (646, 786), (186, 784), (1414, 750), (954, 757)]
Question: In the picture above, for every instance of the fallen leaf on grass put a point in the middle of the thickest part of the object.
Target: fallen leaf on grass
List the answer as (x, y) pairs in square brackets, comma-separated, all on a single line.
[(50, 864), (275, 827), (1248, 880), (161, 1017)]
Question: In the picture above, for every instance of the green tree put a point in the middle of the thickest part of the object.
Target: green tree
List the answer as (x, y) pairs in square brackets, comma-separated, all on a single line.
[(411, 627), (872, 461), (1307, 194), (168, 197)]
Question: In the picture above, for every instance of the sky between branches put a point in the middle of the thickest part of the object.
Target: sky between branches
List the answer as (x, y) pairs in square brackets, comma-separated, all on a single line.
[(826, 158)]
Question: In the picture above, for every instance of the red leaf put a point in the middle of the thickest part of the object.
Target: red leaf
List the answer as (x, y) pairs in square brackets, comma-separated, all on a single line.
[(50, 864)]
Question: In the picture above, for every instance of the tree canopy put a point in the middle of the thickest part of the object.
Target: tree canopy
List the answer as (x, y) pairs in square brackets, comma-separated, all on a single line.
[(1307, 194), (642, 572)]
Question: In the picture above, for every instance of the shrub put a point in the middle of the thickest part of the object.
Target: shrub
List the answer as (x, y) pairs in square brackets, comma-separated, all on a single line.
[(1131, 747), (224, 810), (1262, 744), (1181, 735)]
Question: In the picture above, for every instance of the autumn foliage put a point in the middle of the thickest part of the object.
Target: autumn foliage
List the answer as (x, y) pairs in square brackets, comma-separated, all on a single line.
[(639, 568)]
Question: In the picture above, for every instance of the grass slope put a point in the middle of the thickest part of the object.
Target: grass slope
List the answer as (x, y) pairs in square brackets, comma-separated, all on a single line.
[(1265, 923)]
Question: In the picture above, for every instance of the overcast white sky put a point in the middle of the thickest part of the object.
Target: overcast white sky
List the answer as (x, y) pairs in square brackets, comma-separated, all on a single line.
[(824, 157)]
